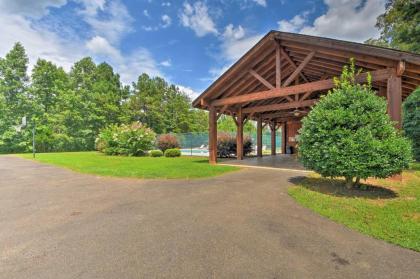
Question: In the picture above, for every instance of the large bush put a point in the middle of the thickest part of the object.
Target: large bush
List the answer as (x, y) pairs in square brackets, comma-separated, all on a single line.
[(172, 152), (349, 134), (156, 153), (411, 121), (226, 145), (131, 140), (167, 141)]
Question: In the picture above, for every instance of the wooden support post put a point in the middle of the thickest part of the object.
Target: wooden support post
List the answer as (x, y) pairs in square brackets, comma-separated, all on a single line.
[(394, 93), (283, 138), (259, 136), (273, 138), (382, 92), (240, 136), (278, 66), (212, 135)]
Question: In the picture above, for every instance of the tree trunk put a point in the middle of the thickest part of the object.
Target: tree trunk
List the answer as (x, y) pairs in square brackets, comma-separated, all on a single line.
[(357, 182), (349, 182)]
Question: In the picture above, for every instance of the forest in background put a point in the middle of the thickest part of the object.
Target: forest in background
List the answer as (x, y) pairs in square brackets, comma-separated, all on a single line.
[(69, 109)]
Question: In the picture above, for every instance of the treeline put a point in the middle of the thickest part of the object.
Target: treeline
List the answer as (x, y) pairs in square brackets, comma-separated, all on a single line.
[(69, 109)]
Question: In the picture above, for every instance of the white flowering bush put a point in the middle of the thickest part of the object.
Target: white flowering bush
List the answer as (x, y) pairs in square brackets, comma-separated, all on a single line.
[(130, 140)]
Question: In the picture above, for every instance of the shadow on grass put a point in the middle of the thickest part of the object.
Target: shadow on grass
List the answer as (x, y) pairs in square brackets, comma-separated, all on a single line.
[(203, 161), (337, 188)]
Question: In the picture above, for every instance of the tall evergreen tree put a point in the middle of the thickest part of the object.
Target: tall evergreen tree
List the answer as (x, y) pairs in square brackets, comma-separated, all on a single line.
[(16, 104)]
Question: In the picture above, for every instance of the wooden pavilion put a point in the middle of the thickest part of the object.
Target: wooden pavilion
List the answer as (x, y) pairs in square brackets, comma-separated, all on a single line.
[(278, 80)]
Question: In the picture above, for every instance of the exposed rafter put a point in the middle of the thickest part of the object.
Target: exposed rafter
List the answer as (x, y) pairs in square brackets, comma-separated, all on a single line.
[(281, 106), (299, 69), (261, 79), (301, 88)]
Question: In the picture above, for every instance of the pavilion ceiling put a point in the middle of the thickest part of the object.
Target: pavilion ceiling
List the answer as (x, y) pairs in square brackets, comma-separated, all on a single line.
[(284, 64)]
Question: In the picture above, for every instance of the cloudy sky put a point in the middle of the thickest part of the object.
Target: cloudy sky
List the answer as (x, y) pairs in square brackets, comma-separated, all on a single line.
[(189, 43)]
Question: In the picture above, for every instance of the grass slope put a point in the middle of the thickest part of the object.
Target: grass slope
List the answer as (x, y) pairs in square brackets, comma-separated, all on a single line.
[(388, 210), (140, 167)]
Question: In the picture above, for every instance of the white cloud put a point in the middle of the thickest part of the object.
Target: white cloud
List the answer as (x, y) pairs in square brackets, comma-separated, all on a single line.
[(294, 25), (30, 8), (234, 49), (232, 33), (136, 63), (344, 19), (146, 13), (91, 7), (100, 46), (166, 21), (197, 18), (166, 4), (189, 91), (39, 43), (113, 25), (166, 63), (234, 44), (261, 2)]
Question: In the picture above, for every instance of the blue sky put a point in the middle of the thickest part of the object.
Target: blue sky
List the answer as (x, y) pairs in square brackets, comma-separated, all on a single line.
[(189, 43)]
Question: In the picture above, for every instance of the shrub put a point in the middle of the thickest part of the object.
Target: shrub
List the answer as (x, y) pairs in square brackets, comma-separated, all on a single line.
[(173, 152), (156, 153), (167, 141), (226, 145), (349, 134), (130, 140), (411, 121)]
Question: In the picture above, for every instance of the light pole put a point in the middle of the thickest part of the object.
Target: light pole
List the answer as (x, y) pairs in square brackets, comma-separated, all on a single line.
[(33, 139), (23, 125)]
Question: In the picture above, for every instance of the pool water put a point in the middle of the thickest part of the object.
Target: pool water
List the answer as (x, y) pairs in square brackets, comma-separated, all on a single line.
[(194, 152)]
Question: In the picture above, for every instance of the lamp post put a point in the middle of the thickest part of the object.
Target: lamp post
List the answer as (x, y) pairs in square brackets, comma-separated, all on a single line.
[(33, 139), (23, 125)]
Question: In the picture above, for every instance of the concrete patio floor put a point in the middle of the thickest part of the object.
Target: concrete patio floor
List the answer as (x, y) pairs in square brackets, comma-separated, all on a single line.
[(56, 223), (281, 161)]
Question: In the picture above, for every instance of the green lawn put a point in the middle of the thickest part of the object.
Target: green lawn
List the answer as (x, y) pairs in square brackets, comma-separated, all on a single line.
[(140, 167), (387, 210)]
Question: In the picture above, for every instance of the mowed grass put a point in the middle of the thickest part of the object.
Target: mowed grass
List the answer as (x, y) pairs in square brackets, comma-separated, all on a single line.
[(139, 167), (387, 210)]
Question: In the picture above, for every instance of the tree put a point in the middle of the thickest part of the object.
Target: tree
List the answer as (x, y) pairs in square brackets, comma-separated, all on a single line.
[(349, 134), (49, 83), (226, 124), (14, 98), (399, 26), (70, 109), (411, 121)]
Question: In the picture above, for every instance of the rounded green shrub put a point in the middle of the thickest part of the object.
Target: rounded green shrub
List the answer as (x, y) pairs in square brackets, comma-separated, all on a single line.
[(130, 140), (348, 133), (155, 153), (411, 121), (173, 152)]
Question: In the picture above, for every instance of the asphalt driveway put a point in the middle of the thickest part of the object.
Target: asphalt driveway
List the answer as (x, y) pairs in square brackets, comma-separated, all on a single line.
[(55, 223)]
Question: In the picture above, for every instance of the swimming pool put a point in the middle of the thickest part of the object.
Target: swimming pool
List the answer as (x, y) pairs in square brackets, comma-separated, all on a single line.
[(194, 152)]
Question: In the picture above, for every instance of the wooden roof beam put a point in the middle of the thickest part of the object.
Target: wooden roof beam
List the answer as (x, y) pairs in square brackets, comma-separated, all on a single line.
[(282, 106), (261, 79), (299, 69), (291, 62), (301, 88)]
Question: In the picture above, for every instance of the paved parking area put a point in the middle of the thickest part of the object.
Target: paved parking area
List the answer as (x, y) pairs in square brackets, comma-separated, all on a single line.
[(55, 223)]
